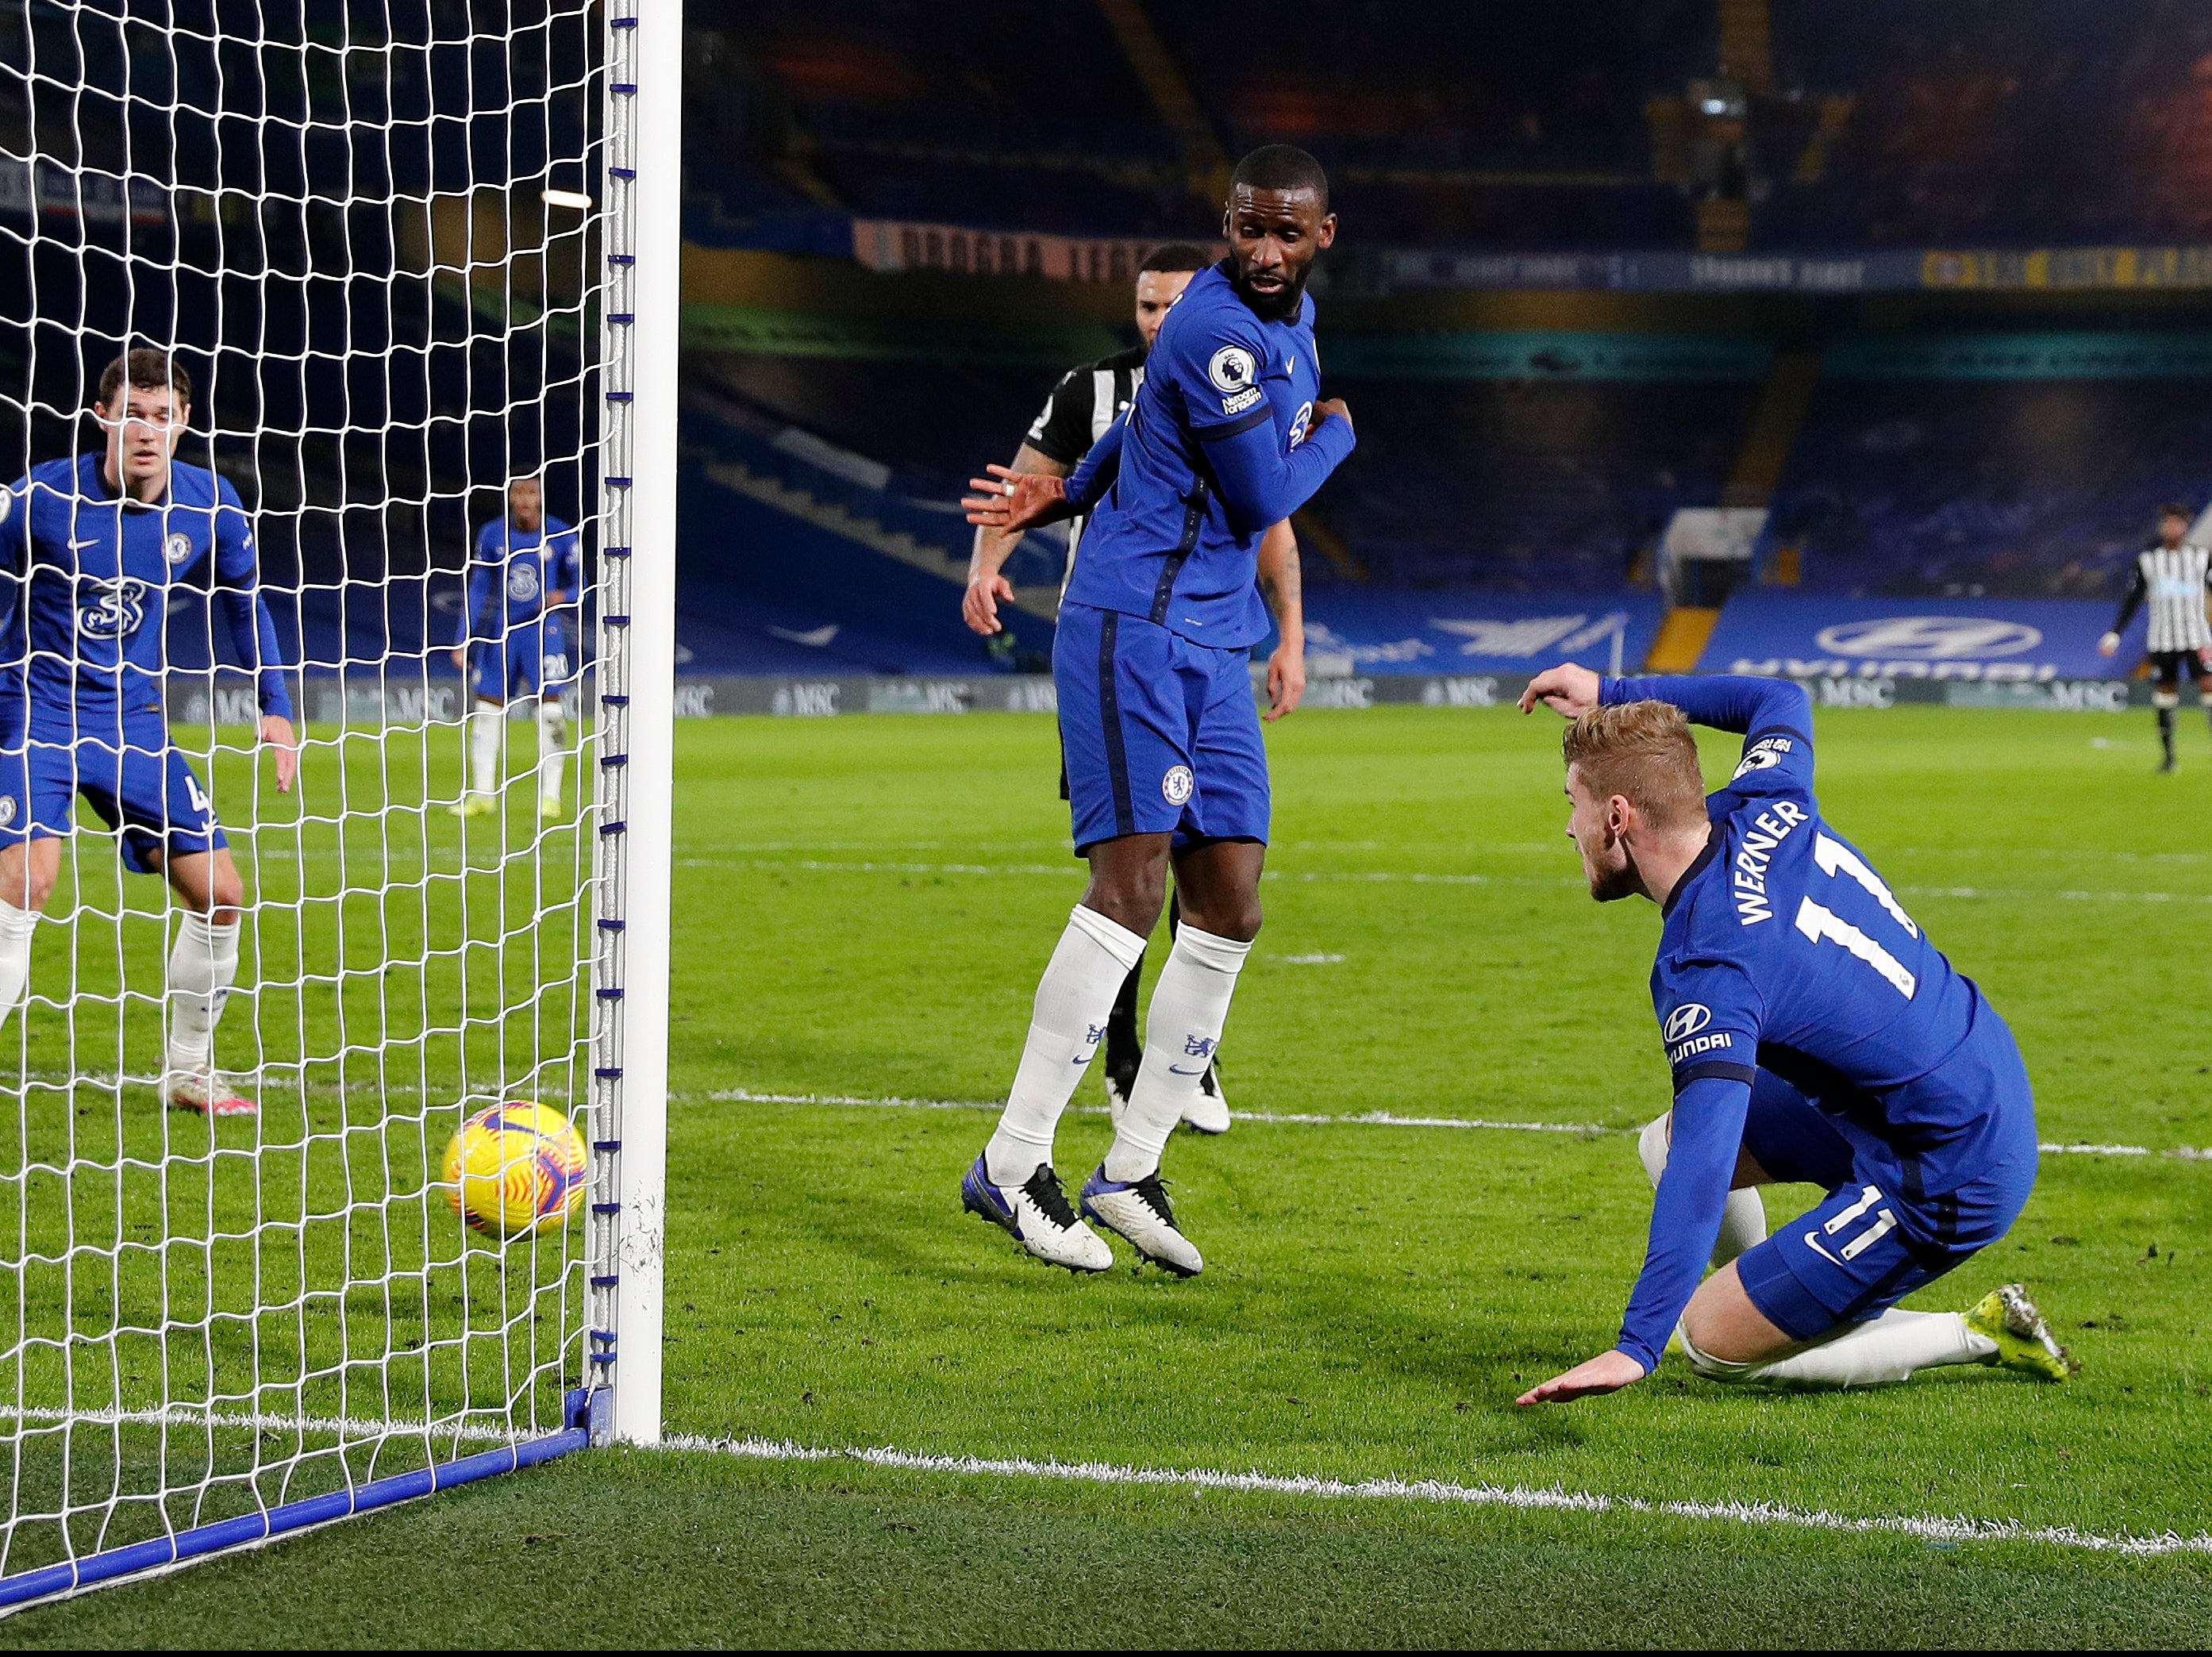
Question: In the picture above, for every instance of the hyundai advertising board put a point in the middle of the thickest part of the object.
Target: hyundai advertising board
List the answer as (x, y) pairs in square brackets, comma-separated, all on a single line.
[(1994, 640), (1350, 631)]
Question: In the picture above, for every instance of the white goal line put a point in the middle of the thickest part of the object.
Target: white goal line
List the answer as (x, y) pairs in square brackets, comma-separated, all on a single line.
[(1366, 1118), (1928, 1528)]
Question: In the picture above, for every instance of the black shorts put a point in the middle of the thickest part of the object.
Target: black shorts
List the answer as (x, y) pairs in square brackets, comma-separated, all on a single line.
[(2170, 667)]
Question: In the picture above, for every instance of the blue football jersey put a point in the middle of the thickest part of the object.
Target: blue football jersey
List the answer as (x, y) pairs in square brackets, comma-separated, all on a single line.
[(1784, 949), (95, 571), (1165, 542), (512, 571)]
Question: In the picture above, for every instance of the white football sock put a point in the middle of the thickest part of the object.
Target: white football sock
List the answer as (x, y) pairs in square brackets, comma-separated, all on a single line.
[(201, 967), (1743, 1221), (1889, 1349), (1069, 1021), (485, 725), (1190, 1004), (552, 748), (16, 926)]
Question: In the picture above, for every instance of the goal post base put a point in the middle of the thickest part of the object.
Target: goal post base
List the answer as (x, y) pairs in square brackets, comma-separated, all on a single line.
[(161, 1553)]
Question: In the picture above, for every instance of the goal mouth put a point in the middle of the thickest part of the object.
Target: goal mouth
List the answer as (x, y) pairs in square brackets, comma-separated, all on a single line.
[(346, 393)]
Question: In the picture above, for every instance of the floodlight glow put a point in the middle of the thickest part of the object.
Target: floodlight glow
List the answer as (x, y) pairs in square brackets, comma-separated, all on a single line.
[(576, 198)]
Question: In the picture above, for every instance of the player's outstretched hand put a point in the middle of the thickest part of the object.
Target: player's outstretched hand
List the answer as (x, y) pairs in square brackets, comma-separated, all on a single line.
[(1608, 1372), (2109, 645), (1013, 500), (278, 732), (1286, 680), (1567, 690), (979, 605)]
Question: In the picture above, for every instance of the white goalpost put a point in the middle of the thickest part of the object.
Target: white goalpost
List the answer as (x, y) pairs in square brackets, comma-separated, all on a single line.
[(393, 262)]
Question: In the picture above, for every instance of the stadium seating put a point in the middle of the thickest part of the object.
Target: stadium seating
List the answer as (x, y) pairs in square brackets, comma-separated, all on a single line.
[(1933, 152), (2021, 488), (1527, 487)]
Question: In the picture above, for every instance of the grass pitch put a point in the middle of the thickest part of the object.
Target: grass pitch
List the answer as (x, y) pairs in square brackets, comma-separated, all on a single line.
[(863, 908)]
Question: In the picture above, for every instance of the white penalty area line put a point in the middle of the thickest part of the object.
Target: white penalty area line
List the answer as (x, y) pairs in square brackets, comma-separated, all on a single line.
[(1928, 1528), (1368, 1118), (1072, 869)]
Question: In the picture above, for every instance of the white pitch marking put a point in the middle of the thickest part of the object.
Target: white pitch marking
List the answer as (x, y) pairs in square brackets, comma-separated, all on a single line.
[(1367, 1119), (1071, 868), (1930, 1527), (1371, 1119)]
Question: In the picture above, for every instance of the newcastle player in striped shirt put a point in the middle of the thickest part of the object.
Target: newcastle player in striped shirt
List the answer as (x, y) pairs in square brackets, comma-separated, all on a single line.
[(2171, 577), (1088, 399)]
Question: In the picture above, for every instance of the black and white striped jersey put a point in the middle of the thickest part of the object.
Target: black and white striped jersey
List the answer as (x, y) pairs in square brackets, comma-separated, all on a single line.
[(2173, 581), (1082, 406)]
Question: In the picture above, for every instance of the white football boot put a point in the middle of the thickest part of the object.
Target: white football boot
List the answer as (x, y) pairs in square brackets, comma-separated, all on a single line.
[(1037, 1214), (1208, 1109), (208, 1092), (1138, 1210)]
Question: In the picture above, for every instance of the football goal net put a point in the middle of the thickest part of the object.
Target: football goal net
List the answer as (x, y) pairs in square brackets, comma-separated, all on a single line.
[(337, 426)]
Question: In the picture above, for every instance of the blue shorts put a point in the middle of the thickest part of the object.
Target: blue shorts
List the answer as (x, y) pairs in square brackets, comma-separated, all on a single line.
[(1161, 736), (1879, 1235), (127, 774), (528, 661)]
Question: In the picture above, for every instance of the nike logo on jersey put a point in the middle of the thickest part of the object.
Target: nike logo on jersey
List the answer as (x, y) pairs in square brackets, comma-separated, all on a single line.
[(79, 546), (1177, 1070)]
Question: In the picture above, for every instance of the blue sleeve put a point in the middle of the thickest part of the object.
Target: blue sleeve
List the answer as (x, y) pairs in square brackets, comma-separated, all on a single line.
[(15, 526), (1685, 1212), (568, 562), (1096, 472), (479, 590), (1726, 702), (253, 629), (1261, 485)]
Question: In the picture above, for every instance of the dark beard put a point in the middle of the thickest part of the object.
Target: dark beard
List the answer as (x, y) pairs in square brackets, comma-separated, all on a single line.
[(1280, 306), (1613, 887)]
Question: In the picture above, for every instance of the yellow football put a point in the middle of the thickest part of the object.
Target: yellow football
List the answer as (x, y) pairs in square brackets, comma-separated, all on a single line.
[(515, 1169)]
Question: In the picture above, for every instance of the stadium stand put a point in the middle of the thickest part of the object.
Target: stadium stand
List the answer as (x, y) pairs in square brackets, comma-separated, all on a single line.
[(1932, 151), (1521, 486), (2020, 487)]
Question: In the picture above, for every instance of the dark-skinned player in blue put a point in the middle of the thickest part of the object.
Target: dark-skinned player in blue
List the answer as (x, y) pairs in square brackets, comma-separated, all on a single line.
[(92, 544), (1228, 436), (1815, 1035)]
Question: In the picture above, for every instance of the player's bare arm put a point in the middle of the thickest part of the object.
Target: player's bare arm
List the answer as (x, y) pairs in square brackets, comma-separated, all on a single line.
[(986, 587), (1281, 586)]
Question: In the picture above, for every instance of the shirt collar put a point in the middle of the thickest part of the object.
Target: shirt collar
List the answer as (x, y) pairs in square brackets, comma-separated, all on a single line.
[(1697, 867), (92, 485)]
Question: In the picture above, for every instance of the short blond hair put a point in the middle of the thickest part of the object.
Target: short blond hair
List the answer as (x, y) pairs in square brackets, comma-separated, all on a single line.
[(1642, 752)]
